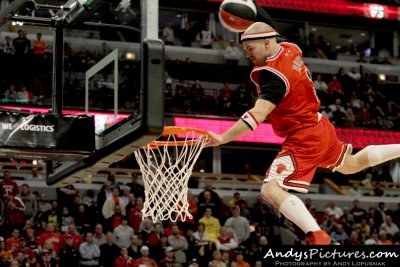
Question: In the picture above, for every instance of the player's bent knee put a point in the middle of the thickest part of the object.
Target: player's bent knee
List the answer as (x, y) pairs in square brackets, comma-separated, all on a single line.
[(268, 192)]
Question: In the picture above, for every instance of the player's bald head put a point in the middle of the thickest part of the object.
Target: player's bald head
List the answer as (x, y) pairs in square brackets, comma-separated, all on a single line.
[(258, 27), (259, 31)]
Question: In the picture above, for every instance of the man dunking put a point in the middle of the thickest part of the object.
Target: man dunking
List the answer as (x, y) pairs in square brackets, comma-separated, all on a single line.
[(287, 97)]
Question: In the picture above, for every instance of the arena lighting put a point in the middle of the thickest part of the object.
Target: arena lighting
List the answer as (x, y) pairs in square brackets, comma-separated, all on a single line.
[(381, 77), (334, 7), (130, 56), (264, 134)]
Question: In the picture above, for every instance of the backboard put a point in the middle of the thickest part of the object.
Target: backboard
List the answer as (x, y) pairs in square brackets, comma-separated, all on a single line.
[(117, 96)]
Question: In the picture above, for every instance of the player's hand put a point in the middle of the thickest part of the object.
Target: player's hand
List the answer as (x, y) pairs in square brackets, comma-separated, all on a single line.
[(215, 139)]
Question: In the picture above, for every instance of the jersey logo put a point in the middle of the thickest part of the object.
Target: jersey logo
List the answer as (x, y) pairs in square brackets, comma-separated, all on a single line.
[(297, 64), (280, 168)]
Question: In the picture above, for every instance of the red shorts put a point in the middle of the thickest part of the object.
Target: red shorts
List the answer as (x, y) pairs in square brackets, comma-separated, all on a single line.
[(303, 152)]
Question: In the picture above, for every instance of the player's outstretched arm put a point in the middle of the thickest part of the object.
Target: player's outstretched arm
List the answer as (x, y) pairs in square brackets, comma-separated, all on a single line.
[(248, 122)]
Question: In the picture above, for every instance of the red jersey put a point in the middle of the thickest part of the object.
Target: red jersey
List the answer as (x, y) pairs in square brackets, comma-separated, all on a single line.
[(298, 109), (7, 187)]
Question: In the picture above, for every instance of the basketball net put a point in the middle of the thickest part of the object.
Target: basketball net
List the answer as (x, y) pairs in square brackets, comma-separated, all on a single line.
[(166, 167)]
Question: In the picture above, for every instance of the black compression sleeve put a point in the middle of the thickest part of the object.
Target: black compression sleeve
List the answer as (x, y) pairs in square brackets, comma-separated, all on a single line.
[(263, 16), (273, 88)]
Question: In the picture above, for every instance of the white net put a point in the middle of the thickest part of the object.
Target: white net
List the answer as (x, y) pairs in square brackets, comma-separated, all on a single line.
[(166, 167)]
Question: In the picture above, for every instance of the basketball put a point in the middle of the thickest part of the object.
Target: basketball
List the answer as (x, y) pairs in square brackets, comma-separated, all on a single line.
[(237, 15)]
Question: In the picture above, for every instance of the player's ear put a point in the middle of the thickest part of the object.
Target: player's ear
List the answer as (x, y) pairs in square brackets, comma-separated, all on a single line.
[(266, 43)]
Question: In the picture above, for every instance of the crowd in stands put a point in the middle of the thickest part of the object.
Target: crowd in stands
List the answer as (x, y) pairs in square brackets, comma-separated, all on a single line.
[(349, 99), (106, 228)]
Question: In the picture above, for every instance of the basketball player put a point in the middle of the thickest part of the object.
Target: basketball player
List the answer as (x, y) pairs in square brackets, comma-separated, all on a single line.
[(287, 97)]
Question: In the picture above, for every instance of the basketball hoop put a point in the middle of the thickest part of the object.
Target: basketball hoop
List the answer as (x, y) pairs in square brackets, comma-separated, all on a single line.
[(166, 165)]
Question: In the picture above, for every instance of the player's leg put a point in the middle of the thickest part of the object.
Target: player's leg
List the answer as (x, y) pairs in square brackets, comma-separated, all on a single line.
[(283, 175), (368, 157)]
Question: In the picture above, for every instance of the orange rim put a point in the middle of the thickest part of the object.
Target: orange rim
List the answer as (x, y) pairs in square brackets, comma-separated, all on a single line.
[(168, 130)]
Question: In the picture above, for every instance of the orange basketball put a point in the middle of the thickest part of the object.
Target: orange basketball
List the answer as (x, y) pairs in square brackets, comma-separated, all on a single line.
[(237, 15)]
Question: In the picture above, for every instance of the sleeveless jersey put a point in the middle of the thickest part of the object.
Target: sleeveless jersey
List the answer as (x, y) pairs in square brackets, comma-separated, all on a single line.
[(298, 109)]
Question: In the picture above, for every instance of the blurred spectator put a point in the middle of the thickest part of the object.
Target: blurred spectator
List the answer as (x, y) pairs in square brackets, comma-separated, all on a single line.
[(21, 45), (389, 226), (23, 95), (339, 234), (135, 215), (29, 201), (383, 239), (355, 190), (335, 210), (66, 196), (99, 238), (11, 94), (12, 242), (357, 212), (224, 99), (240, 262), (363, 116), (354, 74), (168, 33), (52, 215), (385, 175), (46, 259), (335, 85), (109, 251), (66, 219), (380, 213), (217, 260), (125, 195), (39, 45), (179, 244), (136, 244), (232, 54), (378, 191), (197, 96), (234, 201), (320, 85), (50, 235), (226, 241), (241, 99), (69, 254), (8, 186), (136, 188), (108, 209), (43, 204), (105, 192), (124, 260), (350, 118), (71, 232), (8, 47), (155, 236), (131, 204), (5, 254), (212, 225), (123, 233), (13, 212), (169, 259), (239, 224), (82, 218), (187, 35), (206, 37), (89, 251), (145, 259)]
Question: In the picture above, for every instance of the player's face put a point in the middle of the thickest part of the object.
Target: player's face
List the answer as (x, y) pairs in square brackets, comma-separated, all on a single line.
[(255, 51)]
